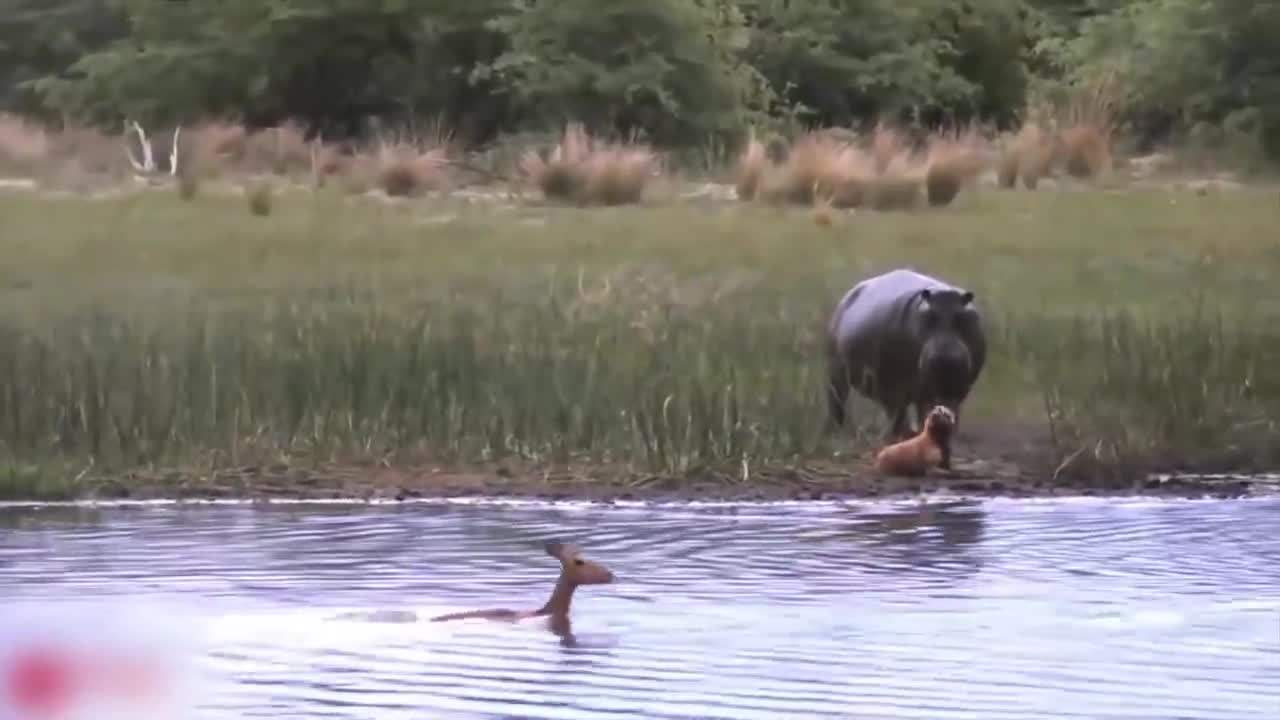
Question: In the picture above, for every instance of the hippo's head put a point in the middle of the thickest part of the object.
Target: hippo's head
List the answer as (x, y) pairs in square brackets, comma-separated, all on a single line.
[(946, 322)]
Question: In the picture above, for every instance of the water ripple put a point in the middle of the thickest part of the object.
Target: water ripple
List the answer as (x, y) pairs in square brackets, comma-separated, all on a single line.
[(951, 610)]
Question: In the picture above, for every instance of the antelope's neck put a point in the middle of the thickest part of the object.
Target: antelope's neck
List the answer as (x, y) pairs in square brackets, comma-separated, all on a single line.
[(561, 598)]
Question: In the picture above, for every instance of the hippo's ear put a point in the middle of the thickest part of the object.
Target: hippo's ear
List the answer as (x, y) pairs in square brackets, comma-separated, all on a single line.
[(967, 298), (926, 297)]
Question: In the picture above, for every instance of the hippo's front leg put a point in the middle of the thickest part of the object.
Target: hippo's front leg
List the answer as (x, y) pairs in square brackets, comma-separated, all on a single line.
[(900, 423)]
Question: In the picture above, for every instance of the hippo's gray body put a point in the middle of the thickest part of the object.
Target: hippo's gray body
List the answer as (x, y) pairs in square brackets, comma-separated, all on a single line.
[(901, 339)]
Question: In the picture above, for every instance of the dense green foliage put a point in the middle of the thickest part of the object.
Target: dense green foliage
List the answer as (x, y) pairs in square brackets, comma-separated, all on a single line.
[(681, 71)]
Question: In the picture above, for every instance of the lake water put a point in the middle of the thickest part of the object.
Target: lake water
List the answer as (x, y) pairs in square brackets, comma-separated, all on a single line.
[(1000, 609)]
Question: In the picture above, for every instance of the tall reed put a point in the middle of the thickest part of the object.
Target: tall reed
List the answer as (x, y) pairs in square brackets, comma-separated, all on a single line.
[(658, 387)]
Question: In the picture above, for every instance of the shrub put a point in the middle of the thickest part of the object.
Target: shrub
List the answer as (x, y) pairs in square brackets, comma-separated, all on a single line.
[(579, 169), (751, 169), (217, 143), (617, 175), (282, 150), (887, 143), (819, 165), (1028, 155), (24, 146), (1085, 138), (899, 187), (188, 183), (260, 198), (406, 169), (953, 160)]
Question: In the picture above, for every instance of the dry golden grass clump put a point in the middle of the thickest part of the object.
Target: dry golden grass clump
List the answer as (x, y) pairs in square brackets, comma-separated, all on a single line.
[(1028, 155), (751, 169), (561, 174), (71, 154), (1079, 135), (821, 166), (887, 143), (900, 186), (282, 150), (827, 171), (188, 184), (953, 160), (217, 142), (406, 169), (582, 170), (24, 146), (219, 146), (1087, 128), (1086, 150), (260, 198), (617, 175)]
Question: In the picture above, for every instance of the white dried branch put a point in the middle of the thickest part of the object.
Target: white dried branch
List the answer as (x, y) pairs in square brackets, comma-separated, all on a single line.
[(173, 154), (148, 163)]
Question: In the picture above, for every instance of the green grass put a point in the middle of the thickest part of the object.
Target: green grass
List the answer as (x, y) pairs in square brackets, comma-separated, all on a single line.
[(147, 330)]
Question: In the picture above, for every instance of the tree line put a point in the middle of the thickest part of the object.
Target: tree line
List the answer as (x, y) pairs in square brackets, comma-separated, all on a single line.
[(680, 72)]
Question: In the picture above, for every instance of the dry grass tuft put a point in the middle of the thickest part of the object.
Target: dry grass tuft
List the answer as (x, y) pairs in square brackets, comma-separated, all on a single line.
[(829, 170), (618, 174), (1087, 128), (900, 186), (24, 146), (188, 183), (1087, 151), (580, 169), (282, 150), (820, 166), (90, 151), (751, 169), (560, 175), (887, 143), (823, 212), (260, 198), (953, 160), (1029, 155), (215, 143), (407, 169)]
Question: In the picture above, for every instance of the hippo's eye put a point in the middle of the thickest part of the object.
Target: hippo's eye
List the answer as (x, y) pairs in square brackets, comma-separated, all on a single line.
[(579, 562)]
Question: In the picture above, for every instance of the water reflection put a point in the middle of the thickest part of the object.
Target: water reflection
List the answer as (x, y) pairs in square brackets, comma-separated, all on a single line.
[(932, 540), (948, 610)]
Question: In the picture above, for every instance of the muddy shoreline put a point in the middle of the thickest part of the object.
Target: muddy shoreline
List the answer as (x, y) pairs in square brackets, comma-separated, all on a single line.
[(1011, 460), (382, 483)]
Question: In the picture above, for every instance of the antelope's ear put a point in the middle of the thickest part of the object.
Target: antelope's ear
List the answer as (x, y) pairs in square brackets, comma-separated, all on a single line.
[(553, 548), (562, 551)]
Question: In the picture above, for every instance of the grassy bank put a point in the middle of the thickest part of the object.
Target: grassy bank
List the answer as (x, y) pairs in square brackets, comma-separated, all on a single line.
[(635, 345)]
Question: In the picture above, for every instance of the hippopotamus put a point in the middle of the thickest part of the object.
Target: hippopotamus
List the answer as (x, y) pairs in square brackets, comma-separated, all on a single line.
[(904, 338)]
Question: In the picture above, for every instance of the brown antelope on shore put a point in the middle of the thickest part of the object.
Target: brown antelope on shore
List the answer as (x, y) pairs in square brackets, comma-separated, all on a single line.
[(929, 449), (574, 571)]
